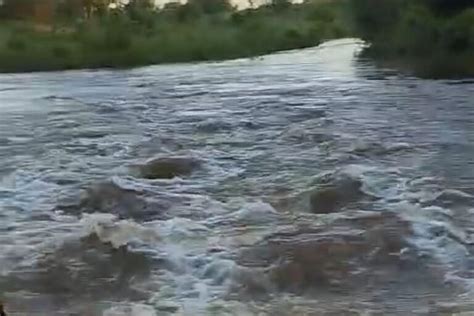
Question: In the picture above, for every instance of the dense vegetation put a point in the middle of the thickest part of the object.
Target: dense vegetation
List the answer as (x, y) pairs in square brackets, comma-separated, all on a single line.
[(71, 34), (433, 38)]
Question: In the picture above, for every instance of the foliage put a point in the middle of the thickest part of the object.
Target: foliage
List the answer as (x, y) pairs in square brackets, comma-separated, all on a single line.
[(447, 7), (140, 34), (434, 38), (210, 6)]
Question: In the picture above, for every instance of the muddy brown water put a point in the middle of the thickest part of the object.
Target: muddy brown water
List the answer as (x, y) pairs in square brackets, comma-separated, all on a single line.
[(325, 186)]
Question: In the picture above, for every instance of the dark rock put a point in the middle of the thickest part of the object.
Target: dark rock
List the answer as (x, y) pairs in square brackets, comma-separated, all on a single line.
[(341, 255), (213, 126), (168, 168), (108, 197), (168, 309), (85, 269), (305, 135), (2, 310), (330, 197), (249, 124)]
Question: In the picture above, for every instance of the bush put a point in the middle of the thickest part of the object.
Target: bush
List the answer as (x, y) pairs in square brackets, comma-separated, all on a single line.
[(211, 6), (140, 35), (16, 42), (434, 36), (117, 39), (61, 52), (280, 5)]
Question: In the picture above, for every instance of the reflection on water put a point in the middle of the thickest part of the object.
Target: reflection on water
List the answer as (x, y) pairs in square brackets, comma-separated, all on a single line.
[(324, 186)]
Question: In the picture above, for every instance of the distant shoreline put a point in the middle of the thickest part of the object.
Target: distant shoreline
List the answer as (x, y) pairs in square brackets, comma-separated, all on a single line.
[(413, 38), (429, 39), (179, 34)]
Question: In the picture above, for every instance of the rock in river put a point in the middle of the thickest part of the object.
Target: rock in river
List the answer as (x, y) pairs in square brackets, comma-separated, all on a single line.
[(169, 167), (125, 203), (332, 196), (346, 253)]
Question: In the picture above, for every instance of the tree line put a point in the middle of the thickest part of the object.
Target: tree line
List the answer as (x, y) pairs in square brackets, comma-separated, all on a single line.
[(48, 10), (72, 34), (436, 37)]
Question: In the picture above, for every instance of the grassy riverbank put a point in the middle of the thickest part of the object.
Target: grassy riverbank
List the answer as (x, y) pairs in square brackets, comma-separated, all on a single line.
[(430, 38), (173, 34)]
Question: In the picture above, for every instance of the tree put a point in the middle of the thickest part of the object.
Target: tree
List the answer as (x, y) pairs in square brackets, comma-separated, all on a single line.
[(14, 9), (280, 5), (375, 17), (70, 9), (41, 11), (96, 7), (141, 11), (211, 6), (139, 6), (447, 7)]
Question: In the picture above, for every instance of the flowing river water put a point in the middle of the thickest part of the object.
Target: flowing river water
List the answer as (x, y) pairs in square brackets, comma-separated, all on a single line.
[(322, 186)]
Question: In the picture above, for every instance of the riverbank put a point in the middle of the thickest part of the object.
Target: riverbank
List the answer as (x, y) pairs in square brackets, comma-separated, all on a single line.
[(442, 66), (428, 39), (173, 34)]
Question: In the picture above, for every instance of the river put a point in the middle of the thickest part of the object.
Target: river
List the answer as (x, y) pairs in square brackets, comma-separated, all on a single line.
[(324, 186)]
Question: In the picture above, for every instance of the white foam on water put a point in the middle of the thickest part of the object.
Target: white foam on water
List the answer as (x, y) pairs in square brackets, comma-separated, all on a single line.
[(28, 191), (439, 239), (131, 310), (398, 146), (117, 232), (181, 229), (256, 213), (434, 232), (455, 194)]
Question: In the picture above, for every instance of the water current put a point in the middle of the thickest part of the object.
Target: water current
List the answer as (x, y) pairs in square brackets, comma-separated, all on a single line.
[(307, 182)]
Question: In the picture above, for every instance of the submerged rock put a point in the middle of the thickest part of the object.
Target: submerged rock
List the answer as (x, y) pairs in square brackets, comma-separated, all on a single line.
[(135, 309), (302, 134), (375, 148), (332, 196), (109, 197), (213, 126), (2, 310), (168, 167), (449, 198), (344, 254), (85, 270)]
